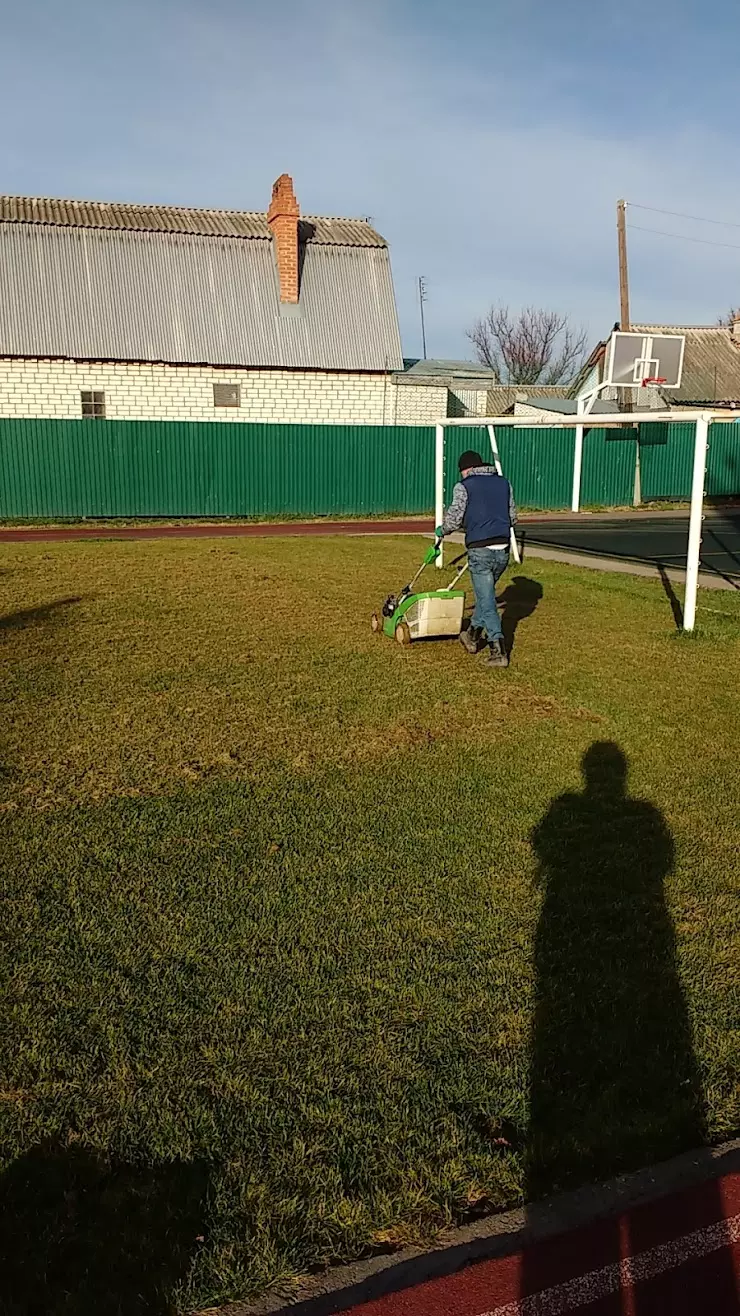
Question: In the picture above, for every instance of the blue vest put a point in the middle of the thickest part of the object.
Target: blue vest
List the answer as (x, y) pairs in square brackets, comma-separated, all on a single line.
[(487, 516)]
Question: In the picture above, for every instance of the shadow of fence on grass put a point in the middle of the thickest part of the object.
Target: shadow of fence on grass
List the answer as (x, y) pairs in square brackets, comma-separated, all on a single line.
[(81, 1236)]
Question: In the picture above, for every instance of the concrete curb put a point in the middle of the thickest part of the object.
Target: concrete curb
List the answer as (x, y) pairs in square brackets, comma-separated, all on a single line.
[(623, 566), (496, 1236)]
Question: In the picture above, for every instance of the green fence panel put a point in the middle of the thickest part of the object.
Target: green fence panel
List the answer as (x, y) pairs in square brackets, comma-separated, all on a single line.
[(57, 468), (666, 460), (537, 461), (608, 472), (723, 461)]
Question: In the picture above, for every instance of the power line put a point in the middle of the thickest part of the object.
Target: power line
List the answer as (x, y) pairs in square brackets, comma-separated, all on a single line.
[(676, 214), (683, 237)]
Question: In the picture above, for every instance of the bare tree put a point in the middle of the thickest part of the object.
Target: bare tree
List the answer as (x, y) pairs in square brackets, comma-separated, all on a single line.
[(727, 321), (534, 347)]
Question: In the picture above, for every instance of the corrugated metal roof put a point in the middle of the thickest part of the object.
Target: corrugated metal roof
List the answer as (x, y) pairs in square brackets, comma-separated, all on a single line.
[(502, 397), (565, 406), (711, 364), (450, 369), (96, 294), (321, 229)]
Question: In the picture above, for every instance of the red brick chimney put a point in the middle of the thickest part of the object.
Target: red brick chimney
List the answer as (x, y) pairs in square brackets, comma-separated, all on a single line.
[(283, 217)]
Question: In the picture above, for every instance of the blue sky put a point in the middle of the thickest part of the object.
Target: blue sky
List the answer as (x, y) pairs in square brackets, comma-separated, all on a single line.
[(488, 141)]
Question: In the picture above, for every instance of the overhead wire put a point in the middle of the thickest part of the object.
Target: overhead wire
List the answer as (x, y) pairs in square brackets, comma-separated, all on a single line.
[(684, 237), (676, 214)]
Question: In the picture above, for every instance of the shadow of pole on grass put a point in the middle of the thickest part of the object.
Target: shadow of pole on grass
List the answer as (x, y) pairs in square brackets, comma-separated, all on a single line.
[(81, 1236), (672, 596), (518, 601), (614, 1083)]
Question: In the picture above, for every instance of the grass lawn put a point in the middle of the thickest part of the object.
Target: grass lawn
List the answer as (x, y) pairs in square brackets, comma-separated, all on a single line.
[(311, 944)]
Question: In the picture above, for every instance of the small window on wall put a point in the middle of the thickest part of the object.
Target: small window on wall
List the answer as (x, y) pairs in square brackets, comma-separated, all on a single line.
[(93, 403), (226, 395)]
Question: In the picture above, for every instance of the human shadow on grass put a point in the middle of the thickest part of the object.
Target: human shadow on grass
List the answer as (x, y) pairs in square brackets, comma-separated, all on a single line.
[(614, 1083), (518, 601), (80, 1235)]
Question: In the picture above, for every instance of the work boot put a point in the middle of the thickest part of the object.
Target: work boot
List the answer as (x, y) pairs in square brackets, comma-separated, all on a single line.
[(472, 639), (497, 655)]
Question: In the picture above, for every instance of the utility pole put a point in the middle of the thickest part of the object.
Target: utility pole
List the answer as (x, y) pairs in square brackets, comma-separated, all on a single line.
[(624, 291), (628, 395), (422, 299)]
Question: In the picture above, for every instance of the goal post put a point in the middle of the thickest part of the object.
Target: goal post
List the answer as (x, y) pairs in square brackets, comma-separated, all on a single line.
[(700, 420)]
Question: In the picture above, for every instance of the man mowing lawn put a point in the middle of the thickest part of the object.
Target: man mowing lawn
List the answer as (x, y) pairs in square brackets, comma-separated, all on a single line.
[(483, 502)]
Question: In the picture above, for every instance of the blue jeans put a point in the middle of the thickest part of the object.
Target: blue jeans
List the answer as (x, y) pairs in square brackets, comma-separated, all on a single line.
[(487, 565)]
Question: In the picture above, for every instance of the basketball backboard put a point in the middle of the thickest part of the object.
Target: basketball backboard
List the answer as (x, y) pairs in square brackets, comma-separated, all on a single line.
[(635, 358)]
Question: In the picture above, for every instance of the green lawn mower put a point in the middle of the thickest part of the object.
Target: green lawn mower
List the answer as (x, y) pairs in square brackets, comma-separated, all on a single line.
[(421, 616)]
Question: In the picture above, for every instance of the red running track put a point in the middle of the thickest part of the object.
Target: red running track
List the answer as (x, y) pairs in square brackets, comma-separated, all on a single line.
[(677, 1256), (46, 534), (267, 529)]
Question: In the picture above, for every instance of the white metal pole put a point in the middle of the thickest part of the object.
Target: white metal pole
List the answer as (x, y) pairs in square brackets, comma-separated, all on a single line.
[(575, 502), (439, 484), (637, 487), (697, 510), (497, 464)]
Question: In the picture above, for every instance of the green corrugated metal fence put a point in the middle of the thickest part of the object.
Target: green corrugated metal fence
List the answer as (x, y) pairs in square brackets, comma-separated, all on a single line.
[(608, 474), (75, 468), (723, 462), (539, 463), (59, 468), (667, 460)]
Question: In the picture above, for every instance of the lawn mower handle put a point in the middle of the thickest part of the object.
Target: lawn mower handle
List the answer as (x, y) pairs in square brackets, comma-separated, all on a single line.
[(427, 561)]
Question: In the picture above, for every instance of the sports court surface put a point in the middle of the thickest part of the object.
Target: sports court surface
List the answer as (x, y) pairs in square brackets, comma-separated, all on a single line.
[(661, 539)]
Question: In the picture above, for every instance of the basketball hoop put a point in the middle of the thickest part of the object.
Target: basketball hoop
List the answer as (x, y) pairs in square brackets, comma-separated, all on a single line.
[(637, 358)]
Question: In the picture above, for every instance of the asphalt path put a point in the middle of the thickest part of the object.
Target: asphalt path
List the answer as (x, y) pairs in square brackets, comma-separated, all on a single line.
[(659, 540)]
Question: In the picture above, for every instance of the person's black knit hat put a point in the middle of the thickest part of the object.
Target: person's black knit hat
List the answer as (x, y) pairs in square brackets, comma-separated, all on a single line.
[(470, 459)]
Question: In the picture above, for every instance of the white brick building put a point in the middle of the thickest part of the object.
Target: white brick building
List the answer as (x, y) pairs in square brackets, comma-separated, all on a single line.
[(146, 312), (54, 389)]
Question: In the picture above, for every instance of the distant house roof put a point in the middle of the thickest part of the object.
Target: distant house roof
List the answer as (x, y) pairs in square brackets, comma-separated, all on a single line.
[(565, 406), (711, 367), (469, 377), (113, 281), (433, 368), (502, 398)]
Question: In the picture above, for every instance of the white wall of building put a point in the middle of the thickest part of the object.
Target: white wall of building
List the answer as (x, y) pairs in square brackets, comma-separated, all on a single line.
[(51, 389)]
